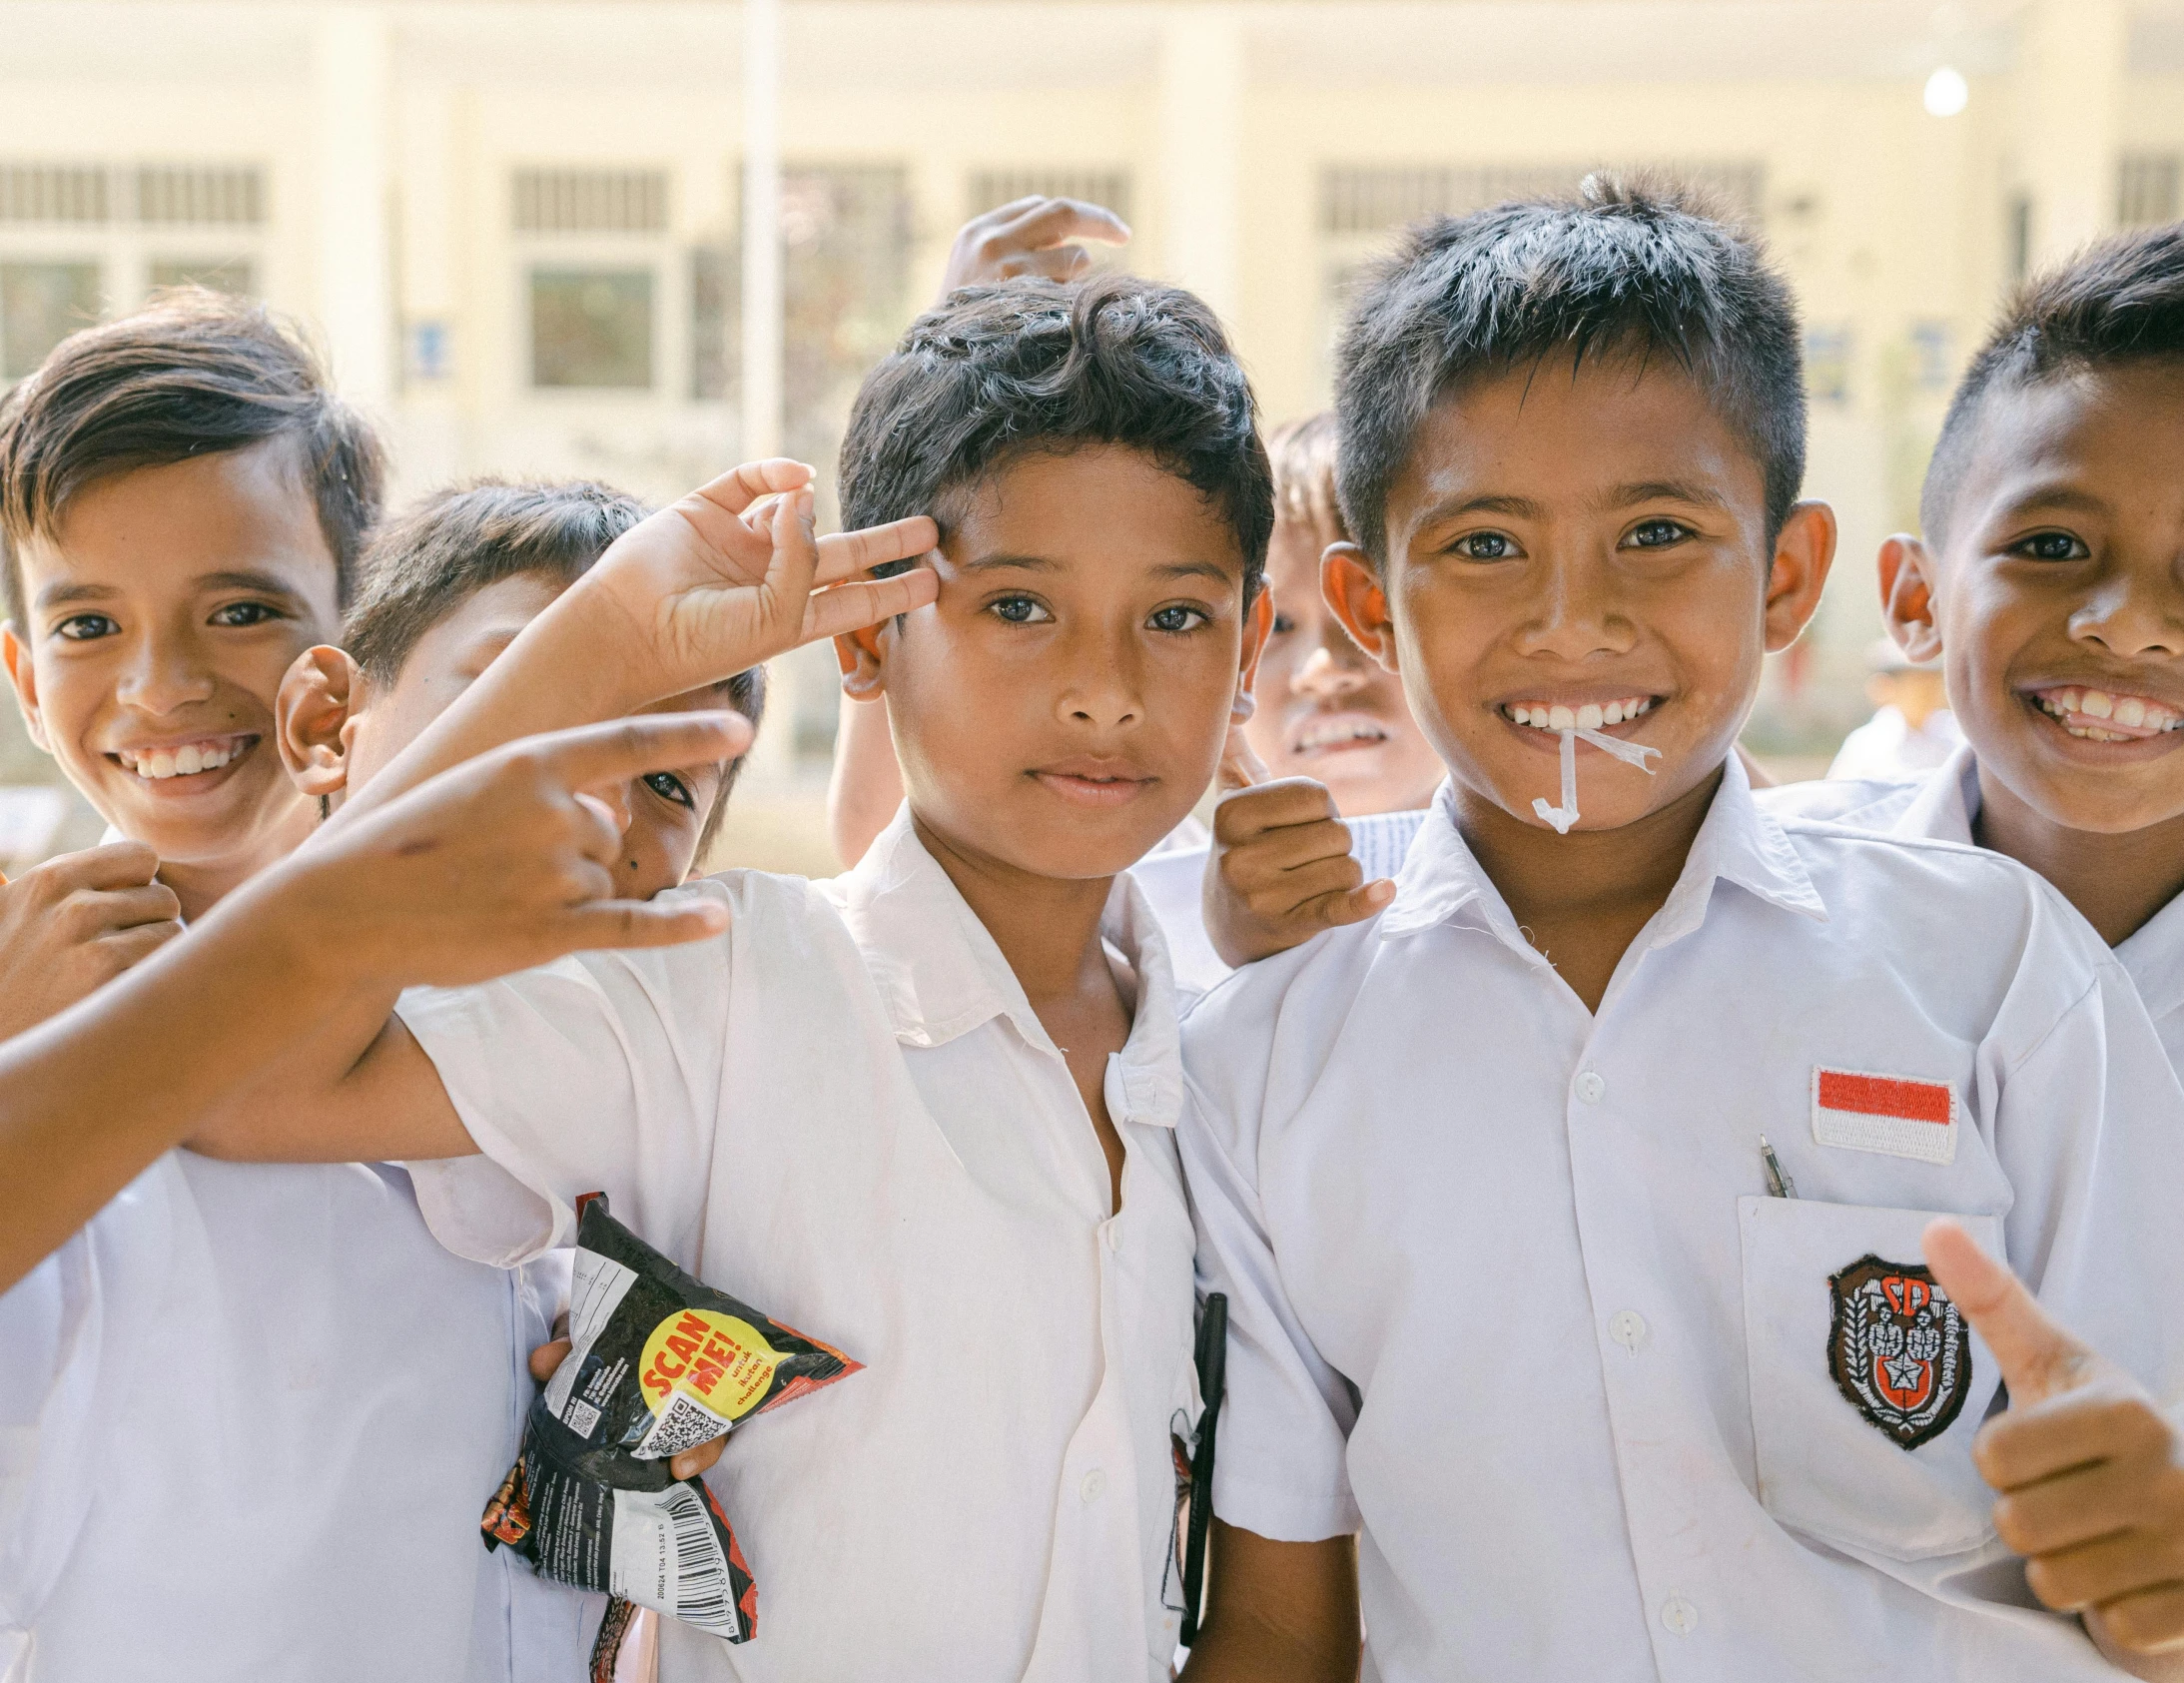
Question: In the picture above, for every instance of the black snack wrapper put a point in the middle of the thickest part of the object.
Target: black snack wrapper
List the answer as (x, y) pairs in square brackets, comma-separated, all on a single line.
[(659, 1362)]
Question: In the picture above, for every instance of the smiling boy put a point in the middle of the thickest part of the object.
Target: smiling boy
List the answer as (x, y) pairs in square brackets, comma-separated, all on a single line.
[(926, 1108), (1571, 1215), (2048, 584)]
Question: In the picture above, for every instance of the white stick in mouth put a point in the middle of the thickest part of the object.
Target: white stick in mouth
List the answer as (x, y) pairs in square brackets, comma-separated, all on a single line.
[(1565, 815)]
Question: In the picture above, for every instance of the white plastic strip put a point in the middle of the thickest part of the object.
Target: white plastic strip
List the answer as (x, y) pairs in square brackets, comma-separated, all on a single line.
[(1565, 815)]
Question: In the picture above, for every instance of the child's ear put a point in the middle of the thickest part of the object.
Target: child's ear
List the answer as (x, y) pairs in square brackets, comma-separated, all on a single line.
[(1803, 551), (25, 679), (1259, 622), (319, 700), (1907, 591), (862, 655), (1354, 591)]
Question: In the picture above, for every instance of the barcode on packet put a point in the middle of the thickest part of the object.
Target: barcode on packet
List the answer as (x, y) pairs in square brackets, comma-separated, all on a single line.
[(700, 1580), (580, 1417)]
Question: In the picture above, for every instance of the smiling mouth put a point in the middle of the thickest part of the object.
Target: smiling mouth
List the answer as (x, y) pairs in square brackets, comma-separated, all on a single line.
[(1590, 715), (184, 759), (1334, 733), (2100, 715)]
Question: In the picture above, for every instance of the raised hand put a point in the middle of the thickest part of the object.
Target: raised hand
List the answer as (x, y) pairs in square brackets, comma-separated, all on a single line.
[(732, 574), (1030, 237), (1281, 869), (76, 922), (498, 864), (2088, 1467)]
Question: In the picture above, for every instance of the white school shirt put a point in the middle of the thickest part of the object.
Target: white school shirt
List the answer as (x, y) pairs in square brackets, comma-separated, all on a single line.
[(1174, 879), (249, 1415), (1885, 745), (1507, 1292), (844, 1112), (1943, 807)]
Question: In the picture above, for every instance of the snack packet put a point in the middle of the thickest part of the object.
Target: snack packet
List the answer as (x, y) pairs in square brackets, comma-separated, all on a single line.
[(659, 1362)]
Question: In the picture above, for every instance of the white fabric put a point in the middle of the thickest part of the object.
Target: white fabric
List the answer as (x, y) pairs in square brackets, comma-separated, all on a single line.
[(1506, 1291), (1943, 807), (1885, 745), (1174, 879), (248, 1417), (845, 1111)]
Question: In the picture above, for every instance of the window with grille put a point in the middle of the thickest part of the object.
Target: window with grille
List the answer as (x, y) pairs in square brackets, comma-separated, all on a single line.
[(2149, 189), (199, 196), (590, 201), (158, 194), (591, 327), (62, 192), (41, 303), (990, 189), (1372, 199)]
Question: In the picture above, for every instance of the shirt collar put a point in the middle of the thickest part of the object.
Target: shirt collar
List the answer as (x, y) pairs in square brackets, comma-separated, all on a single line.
[(2154, 955), (941, 974), (1946, 802), (1738, 843)]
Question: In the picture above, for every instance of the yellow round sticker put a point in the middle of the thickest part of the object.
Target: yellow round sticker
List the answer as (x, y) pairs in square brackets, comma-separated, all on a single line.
[(718, 1362)]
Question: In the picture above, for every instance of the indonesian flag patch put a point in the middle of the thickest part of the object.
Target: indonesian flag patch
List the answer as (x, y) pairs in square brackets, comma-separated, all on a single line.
[(1893, 1115), (1899, 1350)]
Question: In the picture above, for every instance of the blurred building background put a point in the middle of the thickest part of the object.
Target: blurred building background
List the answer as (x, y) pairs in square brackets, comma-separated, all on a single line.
[(520, 228)]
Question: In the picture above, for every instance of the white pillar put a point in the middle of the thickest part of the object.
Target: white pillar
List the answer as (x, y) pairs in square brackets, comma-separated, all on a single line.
[(1201, 121), (2069, 118), (762, 302), (351, 195)]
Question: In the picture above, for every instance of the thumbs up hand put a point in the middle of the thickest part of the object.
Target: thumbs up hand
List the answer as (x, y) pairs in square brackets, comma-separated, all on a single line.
[(2091, 1473)]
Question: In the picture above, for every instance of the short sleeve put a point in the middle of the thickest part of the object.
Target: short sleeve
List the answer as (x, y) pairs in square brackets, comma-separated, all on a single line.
[(598, 1073), (1279, 1466)]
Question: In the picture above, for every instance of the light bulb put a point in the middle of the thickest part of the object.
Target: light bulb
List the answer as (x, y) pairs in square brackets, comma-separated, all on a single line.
[(1947, 92)]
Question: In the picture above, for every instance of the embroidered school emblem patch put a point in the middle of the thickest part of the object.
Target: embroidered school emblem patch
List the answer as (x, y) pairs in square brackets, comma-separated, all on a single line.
[(1899, 1349), (1892, 1114)]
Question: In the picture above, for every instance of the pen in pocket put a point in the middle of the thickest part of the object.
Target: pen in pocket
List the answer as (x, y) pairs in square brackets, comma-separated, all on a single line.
[(1778, 1182)]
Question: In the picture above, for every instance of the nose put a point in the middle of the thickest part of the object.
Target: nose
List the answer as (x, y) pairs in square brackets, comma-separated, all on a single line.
[(163, 676), (1326, 675), (2134, 615), (1101, 685), (1575, 612)]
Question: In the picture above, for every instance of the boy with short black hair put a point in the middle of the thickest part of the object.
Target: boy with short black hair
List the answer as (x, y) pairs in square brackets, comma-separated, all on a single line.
[(185, 500), (2047, 586), (1571, 1215), (925, 1110)]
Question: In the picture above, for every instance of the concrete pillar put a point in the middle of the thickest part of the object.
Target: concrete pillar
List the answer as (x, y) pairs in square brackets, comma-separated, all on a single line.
[(2069, 120), (352, 199), (762, 298), (1201, 123)]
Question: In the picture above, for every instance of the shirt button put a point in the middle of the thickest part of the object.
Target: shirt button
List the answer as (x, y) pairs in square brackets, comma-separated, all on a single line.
[(1628, 1328), (1093, 1486), (1591, 1086), (1115, 1234), (1679, 1615)]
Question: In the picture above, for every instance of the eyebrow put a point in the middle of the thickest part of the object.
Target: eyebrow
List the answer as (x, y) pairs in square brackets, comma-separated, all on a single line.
[(1047, 563), (1667, 490), (2066, 498), (1522, 506), (60, 594)]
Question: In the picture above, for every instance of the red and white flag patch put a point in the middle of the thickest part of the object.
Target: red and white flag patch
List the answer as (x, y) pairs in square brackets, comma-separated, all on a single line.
[(1893, 1115)]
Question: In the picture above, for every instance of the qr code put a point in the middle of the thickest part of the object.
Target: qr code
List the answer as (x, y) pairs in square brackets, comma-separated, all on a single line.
[(682, 1425), (580, 1417)]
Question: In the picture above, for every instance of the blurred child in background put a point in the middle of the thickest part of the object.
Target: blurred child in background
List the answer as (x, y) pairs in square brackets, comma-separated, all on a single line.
[(1911, 730)]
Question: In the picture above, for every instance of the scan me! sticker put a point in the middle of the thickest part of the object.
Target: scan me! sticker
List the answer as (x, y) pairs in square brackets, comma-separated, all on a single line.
[(701, 1371)]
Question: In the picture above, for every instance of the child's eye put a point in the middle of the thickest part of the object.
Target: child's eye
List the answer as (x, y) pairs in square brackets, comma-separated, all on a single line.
[(245, 614), (1485, 546), (2052, 546), (85, 627), (669, 788), (1284, 623), (1178, 617), (1020, 611), (1657, 535)]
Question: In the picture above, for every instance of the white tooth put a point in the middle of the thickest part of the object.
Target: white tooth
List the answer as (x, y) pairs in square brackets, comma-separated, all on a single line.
[(1523, 715), (1589, 716), (2099, 704), (2070, 699), (216, 757), (1631, 709), (2131, 711), (1560, 719), (1612, 713), (188, 761), (163, 762)]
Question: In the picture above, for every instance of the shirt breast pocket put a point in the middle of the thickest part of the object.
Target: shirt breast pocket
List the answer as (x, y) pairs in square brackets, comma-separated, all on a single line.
[(1865, 1387)]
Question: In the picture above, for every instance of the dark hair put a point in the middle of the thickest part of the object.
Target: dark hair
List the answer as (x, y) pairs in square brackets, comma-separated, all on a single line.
[(194, 374), (1617, 267), (2119, 300), (1303, 456), (440, 551), (1027, 366)]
